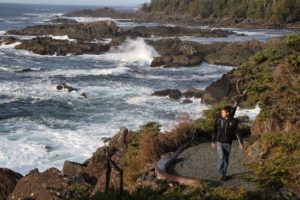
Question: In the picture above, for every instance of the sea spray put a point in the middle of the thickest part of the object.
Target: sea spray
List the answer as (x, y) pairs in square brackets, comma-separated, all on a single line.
[(134, 51)]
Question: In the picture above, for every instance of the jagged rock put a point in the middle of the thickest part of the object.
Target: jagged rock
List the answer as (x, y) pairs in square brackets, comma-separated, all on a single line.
[(8, 181), (7, 40), (49, 46), (193, 92), (72, 168), (172, 93), (50, 184), (234, 54), (80, 31), (220, 90)]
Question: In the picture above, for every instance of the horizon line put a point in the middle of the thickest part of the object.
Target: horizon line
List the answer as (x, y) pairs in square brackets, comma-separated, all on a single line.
[(87, 5)]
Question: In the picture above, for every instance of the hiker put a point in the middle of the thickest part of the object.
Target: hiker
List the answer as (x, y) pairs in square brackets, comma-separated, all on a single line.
[(225, 129)]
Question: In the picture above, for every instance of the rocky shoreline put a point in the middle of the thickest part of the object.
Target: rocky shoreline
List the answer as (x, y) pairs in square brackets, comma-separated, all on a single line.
[(130, 149)]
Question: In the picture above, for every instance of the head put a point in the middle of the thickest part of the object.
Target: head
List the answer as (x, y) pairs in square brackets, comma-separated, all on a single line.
[(225, 112)]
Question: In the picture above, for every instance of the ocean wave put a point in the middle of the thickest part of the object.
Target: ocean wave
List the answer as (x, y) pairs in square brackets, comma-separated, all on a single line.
[(88, 72), (40, 146), (90, 19), (2, 33), (9, 46), (135, 52)]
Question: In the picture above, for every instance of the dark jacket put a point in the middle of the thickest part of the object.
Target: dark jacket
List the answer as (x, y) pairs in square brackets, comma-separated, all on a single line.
[(225, 130)]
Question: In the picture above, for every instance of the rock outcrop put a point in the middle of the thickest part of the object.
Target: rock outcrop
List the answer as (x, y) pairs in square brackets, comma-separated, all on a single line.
[(178, 53), (49, 46), (79, 31), (8, 181), (234, 54), (172, 93), (55, 184), (7, 40)]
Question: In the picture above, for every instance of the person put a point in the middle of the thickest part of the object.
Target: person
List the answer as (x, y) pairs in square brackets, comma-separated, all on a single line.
[(225, 129)]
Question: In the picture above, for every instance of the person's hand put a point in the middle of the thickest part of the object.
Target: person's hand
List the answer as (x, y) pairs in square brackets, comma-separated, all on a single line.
[(213, 146), (241, 146)]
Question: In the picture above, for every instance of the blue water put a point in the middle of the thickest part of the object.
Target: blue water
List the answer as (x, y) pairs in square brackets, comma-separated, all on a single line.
[(41, 127)]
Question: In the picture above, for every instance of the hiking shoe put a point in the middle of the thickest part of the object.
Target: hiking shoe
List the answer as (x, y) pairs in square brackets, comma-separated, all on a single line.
[(222, 178)]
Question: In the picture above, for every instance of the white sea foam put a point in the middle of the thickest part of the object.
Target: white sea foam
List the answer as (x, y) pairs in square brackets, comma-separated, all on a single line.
[(2, 33), (31, 141), (9, 46), (82, 72), (60, 37), (90, 19), (252, 113), (133, 52)]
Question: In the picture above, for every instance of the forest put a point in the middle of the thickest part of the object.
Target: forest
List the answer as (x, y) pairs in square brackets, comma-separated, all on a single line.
[(281, 11)]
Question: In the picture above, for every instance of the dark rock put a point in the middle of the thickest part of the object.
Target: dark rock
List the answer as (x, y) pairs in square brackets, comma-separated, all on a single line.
[(193, 92), (49, 46), (221, 89), (8, 181), (187, 101), (62, 21), (176, 31), (176, 61), (65, 86), (80, 31), (7, 40), (244, 119), (24, 70), (172, 93)]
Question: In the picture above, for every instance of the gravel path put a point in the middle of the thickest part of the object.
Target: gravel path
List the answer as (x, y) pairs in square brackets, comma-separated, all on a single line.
[(201, 161)]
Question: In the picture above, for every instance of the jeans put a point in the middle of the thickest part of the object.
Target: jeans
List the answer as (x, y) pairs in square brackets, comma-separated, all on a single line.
[(223, 150)]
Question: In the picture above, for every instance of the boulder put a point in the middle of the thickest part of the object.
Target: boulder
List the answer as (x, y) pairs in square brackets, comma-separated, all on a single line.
[(8, 181), (193, 92), (222, 89), (50, 184), (176, 61), (187, 101), (172, 93)]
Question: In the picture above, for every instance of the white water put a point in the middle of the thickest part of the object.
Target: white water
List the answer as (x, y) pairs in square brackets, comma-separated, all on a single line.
[(136, 52)]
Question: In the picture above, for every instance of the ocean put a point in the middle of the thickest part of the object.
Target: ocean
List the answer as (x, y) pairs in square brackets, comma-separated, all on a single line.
[(41, 127)]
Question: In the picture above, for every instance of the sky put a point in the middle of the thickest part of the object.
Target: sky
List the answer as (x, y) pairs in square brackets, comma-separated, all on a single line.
[(80, 2)]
